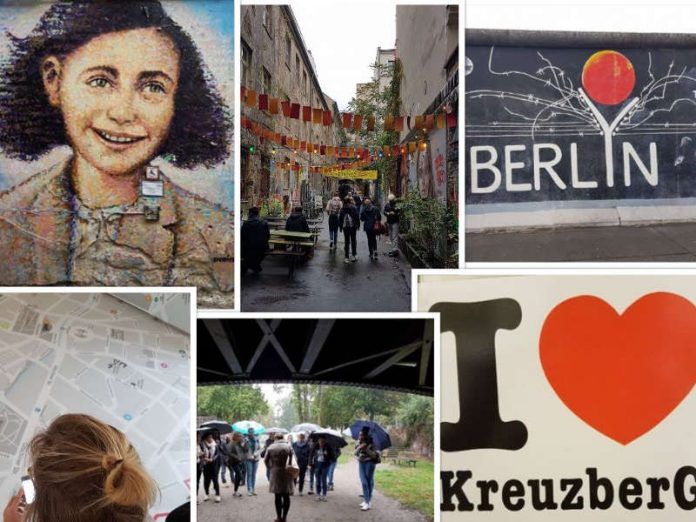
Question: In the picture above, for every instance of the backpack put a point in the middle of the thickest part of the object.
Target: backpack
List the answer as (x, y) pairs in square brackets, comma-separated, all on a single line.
[(334, 207), (347, 220)]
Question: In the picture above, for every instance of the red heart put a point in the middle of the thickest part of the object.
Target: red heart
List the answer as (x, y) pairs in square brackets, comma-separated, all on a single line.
[(621, 374)]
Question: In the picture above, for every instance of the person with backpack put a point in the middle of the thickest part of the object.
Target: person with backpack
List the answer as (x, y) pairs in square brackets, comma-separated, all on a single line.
[(252, 447), (349, 222), (333, 209), (373, 219), (302, 449), (211, 465)]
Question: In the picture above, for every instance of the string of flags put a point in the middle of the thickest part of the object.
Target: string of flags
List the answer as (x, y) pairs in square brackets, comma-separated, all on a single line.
[(349, 120), (365, 154)]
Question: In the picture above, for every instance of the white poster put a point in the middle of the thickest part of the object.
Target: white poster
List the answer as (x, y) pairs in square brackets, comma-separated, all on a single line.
[(566, 397)]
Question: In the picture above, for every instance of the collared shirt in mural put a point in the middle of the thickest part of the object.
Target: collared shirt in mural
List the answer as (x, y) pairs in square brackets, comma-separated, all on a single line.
[(49, 237)]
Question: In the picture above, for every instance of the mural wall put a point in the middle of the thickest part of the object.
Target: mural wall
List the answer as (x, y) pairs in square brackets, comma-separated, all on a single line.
[(557, 124), (116, 141)]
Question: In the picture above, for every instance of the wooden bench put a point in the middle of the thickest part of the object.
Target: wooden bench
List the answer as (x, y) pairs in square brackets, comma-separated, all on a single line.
[(409, 457), (291, 255)]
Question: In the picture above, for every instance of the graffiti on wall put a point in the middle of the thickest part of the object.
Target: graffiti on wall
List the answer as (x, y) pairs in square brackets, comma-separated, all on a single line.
[(579, 124), (115, 136)]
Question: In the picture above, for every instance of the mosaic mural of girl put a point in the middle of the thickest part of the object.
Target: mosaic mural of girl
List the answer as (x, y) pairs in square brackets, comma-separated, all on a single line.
[(121, 83)]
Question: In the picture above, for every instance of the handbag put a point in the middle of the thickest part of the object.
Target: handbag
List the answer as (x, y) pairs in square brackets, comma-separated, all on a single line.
[(292, 471), (377, 228)]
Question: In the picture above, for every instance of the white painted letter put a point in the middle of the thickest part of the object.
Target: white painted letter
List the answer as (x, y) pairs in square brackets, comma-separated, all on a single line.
[(575, 179), (489, 165), (547, 165), (650, 175), (510, 166)]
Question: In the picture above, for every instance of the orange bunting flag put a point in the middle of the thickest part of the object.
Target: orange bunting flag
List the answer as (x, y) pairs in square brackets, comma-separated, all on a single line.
[(273, 106), (419, 122), (370, 123), (322, 150), (263, 102), (328, 120), (330, 150), (399, 124), (395, 150), (316, 115), (295, 111), (303, 145), (277, 138), (286, 108), (412, 146), (251, 98), (357, 122), (389, 123), (306, 113), (347, 118), (441, 120), (386, 150), (429, 121)]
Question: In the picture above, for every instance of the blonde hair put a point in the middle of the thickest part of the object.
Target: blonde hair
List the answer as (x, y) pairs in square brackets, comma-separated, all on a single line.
[(87, 471)]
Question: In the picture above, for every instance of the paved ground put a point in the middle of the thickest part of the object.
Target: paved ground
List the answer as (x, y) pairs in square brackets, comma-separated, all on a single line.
[(343, 504), (675, 242), (326, 284)]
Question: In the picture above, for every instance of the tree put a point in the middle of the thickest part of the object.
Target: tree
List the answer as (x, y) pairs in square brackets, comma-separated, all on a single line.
[(416, 416), (232, 403)]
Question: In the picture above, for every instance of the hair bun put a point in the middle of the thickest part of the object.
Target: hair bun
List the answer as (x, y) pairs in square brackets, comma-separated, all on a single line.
[(109, 462), (127, 483)]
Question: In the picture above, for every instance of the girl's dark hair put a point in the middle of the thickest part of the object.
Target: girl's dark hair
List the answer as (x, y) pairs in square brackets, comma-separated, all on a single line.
[(200, 131)]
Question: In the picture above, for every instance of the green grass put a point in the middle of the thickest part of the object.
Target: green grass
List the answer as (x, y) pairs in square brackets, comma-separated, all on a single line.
[(413, 487), (346, 456)]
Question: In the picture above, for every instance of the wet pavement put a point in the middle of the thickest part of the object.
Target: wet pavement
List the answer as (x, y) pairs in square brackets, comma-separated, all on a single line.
[(325, 283), (653, 243)]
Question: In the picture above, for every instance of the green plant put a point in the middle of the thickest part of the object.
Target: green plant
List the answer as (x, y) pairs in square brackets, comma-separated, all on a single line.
[(271, 207), (425, 222)]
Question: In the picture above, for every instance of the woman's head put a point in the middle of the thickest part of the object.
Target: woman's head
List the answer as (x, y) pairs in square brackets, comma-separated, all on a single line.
[(236, 437), (120, 82), (348, 200), (85, 470), (367, 202)]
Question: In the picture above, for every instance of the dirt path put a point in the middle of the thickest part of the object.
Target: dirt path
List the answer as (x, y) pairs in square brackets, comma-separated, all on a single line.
[(343, 504)]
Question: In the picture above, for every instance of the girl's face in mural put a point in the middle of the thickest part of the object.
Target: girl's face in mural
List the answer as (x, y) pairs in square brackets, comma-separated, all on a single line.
[(116, 94)]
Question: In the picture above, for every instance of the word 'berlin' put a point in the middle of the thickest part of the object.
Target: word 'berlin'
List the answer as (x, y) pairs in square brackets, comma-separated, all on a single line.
[(593, 492)]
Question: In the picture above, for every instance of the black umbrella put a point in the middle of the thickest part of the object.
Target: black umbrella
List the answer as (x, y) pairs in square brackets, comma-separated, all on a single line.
[(220, 426), (306, 427), (333, 437)]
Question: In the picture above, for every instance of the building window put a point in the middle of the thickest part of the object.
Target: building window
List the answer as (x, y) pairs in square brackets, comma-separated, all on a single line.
[(246, 64), (390, 67), (304, 83), (266, 78), (297, 68), (288, 50), (266, 20)]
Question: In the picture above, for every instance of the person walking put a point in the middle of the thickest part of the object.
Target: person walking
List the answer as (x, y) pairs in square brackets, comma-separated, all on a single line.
[(393, 215), (319, 460), (333, 209), (332, 468), (252, 449), (357, 200), (269, 440), (254, 241), (301, 449), (368, 457), (224, 442), (235, 461), (349, 222), (211, 465), (278, 458), (372, 218)]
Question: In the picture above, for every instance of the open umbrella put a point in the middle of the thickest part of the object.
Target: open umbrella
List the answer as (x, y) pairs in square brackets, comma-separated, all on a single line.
[(379, 435), (221, 427), (277, 430), (347, 433), (243, 427), (306, 427), (333, 437)]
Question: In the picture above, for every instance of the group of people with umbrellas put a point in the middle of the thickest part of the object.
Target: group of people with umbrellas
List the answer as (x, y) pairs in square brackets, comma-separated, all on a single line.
[(236, 448)]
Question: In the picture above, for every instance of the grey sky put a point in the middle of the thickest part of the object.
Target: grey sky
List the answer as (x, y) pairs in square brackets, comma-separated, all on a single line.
[(343, 38)]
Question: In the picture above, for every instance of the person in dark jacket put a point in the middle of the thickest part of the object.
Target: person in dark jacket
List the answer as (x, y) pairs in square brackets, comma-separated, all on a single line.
[(357, 200), (255, 235), (211, 465), (349, 222), (392, 213), (368, 457), (320, 458), (296, 221), (332, 468), (302, 450), (371, 215)]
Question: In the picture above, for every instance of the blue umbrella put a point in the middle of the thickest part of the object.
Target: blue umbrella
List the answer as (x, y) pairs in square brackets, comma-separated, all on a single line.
[(380, 437), (243, 427)]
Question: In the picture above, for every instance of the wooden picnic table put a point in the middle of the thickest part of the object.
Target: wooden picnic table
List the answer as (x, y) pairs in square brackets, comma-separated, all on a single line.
[(294, 240)]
